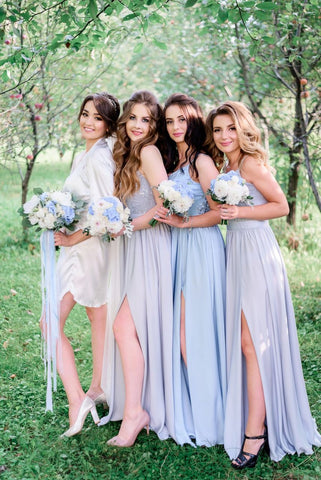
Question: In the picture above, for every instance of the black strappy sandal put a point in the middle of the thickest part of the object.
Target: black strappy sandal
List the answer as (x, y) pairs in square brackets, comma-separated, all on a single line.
[(248, 460)]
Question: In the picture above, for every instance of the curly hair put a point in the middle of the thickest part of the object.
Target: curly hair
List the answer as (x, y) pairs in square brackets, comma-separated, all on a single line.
[(108, 108), (126, 154), (195, 134), (249, 135)]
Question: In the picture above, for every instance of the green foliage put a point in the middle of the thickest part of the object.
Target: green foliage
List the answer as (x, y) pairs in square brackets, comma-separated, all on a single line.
[(260, 52)]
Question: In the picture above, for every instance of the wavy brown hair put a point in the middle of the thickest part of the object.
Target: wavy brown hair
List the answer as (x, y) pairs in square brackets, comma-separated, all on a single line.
[(195, 134), (126, 154), (108, 108), (248, 133)]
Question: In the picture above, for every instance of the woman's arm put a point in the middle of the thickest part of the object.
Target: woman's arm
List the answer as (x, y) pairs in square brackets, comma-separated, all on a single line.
[(264, 181)]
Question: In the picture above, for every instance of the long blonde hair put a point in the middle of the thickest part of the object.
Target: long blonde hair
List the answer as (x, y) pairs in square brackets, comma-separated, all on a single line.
[(127, 155), (248, 133)]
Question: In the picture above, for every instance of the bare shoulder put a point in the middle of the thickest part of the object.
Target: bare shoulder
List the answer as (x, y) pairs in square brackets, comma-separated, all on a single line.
[(149, 151), (205, 162), (252, 168), (150, 159)]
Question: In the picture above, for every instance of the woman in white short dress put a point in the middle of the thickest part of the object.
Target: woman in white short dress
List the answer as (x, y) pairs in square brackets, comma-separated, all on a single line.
[(83, 262)]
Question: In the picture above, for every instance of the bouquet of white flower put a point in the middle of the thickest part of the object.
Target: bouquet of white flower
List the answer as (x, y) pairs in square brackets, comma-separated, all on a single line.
[(176, 197), (229, 188), (51, 210), (107, 216)]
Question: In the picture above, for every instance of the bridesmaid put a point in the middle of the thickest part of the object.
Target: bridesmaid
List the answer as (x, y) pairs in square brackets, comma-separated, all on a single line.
[(83, 261), (143, 325), (198, 263), (267, 402)]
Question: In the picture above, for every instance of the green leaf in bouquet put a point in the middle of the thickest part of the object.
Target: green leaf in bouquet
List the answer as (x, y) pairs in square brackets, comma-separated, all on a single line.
[(25, 223), (37, 191)]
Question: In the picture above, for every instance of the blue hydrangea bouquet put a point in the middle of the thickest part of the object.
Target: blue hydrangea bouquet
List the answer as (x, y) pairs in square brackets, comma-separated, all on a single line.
[(107, 217)]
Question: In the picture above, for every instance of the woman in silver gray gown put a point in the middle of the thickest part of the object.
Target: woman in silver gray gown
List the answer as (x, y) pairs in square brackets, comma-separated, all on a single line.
[(267, 404), (144, 322)]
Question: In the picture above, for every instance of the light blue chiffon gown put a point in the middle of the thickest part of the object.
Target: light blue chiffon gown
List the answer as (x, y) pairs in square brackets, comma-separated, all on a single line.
[(198, 264), (142, 272), (257, 284)]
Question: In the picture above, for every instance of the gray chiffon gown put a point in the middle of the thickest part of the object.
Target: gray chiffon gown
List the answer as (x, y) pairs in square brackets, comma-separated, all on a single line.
[(257, 284), (143, 274)]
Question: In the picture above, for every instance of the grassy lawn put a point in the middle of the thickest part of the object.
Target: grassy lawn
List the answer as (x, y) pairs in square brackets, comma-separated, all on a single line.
[(30, 447)]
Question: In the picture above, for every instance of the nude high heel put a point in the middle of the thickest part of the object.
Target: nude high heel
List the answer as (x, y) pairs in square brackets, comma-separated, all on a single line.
[(119, 442), (101, 399), (88, 405)]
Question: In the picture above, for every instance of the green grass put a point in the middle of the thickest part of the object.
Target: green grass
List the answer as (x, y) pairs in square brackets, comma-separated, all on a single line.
[(30, 447)]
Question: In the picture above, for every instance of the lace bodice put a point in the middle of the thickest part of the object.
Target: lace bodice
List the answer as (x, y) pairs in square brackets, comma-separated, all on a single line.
[(142, 200)]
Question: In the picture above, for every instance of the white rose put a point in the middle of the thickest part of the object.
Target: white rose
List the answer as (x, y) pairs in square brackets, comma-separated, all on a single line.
[(234, 179), (33, 219), (49, 221), (59, 210), (115, 227), (41, 213), (31, 204), (173, 196), (63, 198), (246, 192), (165, 186), (220, 189), (234, 195)]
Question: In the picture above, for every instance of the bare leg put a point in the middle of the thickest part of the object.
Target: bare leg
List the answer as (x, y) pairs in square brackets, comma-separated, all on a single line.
[(183, 330), (66, 361), (134, 418), (256, 416), (97, 317)]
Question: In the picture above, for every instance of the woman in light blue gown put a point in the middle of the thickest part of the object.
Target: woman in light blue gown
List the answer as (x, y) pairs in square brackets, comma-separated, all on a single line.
[(198, 265), (266, 404)]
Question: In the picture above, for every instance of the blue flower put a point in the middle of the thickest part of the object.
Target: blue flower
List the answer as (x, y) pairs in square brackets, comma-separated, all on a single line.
[(69, 214), (184, 189), (112, 200), (91, 210), (51, 207), (112, 214)]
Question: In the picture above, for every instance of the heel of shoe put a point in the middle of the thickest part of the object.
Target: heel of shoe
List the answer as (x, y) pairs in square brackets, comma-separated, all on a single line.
[(94, 414), (147, 429)]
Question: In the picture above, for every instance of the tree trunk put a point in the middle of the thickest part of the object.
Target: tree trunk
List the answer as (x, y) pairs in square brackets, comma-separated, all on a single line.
[(292, 188)]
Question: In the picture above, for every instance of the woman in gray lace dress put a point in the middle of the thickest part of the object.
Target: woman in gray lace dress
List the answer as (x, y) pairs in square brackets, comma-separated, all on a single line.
[(143, 324)]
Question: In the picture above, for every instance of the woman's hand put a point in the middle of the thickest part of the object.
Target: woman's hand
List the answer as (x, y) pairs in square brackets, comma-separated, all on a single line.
[(162, 215), (228, 212), (119, 234), (62, 240)]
